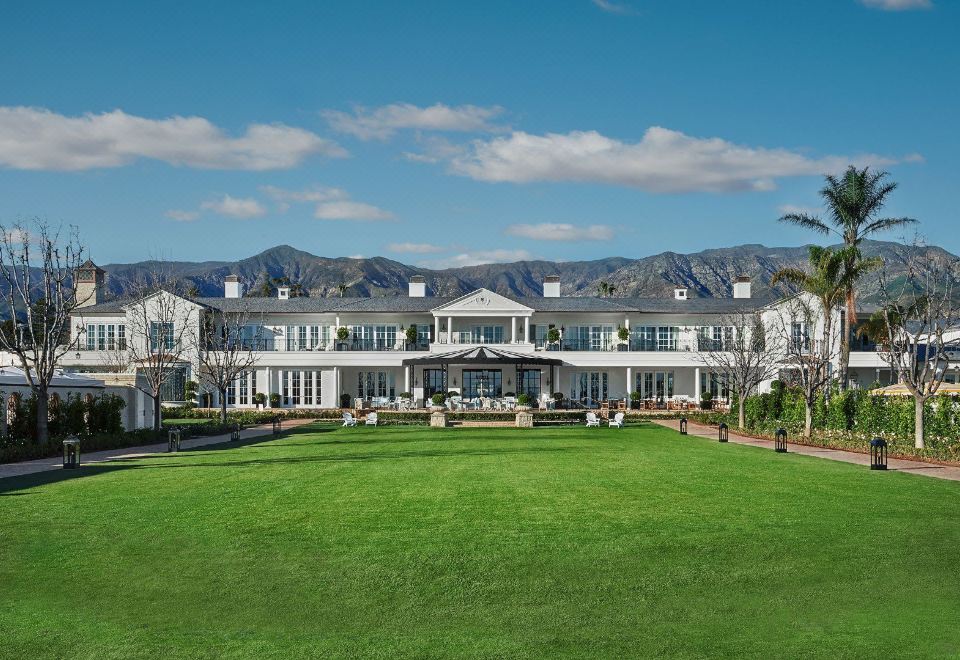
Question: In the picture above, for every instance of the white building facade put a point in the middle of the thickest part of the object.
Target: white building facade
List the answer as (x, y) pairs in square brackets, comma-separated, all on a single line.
[(328, 352)]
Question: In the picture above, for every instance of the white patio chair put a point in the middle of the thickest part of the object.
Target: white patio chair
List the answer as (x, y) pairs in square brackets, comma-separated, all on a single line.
[(592, 420), (349, 420), (371, 419), (617, 420)]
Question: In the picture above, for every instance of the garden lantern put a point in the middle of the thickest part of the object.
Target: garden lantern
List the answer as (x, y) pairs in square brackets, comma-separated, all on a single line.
[(723, 432), (276, 425), (235, 434), (878, 454), (780, 441), (71, 452), (173, 440), (683, 426)]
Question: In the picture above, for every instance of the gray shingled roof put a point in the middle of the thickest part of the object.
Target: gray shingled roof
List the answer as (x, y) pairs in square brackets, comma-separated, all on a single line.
[(693, 305)]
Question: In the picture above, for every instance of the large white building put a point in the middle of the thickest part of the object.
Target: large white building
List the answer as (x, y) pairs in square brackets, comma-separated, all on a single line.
[(480, 344)]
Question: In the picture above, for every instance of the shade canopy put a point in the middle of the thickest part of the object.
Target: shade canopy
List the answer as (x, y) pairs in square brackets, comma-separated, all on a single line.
[(482, 355), (901, 390)]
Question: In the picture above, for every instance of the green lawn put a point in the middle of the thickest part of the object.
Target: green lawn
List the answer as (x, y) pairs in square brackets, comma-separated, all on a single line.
[(186, 421), (396, 542)]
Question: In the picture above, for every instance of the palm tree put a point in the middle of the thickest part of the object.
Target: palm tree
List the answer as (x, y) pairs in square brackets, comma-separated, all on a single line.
[(829, 280), (853, 203), (605, 289)]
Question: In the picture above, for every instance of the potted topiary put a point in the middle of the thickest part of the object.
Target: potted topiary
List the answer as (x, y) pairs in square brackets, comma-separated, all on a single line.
[(259, 398), (558, 399), (524, 402), (411, 336), (706, 400), (624, 336), (438, 400), (343, 334), (553, 339), (344, 400), (274, 400), (635, 398)]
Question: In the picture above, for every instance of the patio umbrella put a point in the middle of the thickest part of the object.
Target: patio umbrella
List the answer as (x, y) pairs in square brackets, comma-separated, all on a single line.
[(901, 390)]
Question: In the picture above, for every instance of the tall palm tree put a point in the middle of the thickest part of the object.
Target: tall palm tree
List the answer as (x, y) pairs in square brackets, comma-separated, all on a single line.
[(829, 280), (853, 203), (605, 289)]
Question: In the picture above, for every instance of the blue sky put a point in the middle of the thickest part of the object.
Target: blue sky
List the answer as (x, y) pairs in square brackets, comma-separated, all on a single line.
[(446, 133)]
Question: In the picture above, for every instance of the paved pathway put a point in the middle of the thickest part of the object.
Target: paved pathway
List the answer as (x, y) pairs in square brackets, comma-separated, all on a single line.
[(899, 465), (56, 463)]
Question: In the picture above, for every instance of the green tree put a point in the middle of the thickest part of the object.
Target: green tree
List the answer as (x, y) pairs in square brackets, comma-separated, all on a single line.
[(853, 204)]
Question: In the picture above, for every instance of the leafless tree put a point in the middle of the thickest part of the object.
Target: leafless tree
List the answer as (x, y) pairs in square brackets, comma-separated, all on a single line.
[(810, 348), (744, 355), (916, 314), (227, 346), (38, 268), (160, 325)]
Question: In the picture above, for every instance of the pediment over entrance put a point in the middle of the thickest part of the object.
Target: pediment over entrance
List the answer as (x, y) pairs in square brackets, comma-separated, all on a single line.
[(484, 302)]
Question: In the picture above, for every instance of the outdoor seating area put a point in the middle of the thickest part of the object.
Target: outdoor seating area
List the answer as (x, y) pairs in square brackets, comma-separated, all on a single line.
[(543, 402)]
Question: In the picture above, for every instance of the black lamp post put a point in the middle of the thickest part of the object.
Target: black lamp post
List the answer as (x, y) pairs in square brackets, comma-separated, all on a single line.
[(276, 425), (780, 441), (173, 440), (235, 434), (723, 432), (878, 454), (683, 426), (71, 453)]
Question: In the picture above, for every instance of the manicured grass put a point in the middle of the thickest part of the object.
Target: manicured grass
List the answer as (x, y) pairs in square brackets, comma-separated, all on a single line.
[(186, 421), (479, 542)]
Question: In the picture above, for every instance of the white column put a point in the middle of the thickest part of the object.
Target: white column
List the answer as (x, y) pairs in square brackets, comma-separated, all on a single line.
[(556, 380), (696, 385), (436, 329), (626, 323), (629, 383), (336, 387), (449, 329), (526, 330), (406, 378), (513, 329)]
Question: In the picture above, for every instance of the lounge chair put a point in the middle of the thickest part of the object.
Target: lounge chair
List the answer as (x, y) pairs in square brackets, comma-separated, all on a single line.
[(592, 419), (617, 420), (371, 419), (349, 420)]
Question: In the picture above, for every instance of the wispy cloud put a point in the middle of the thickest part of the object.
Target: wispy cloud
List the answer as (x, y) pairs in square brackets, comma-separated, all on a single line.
[(615, 7), (347, 210), (381, 123), (552, 231), (478, 257), (38, 139), (311, 194), (331, 203), (182, 216), (663, 161), (236, 207), (786, 209), (414, 248), (897, 5)]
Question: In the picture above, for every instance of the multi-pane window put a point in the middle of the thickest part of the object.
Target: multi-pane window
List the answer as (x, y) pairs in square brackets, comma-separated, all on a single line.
[(371, 384), (307, 337), (433, 382), (645, 338), (482, 383), (655, 384), (528, 382), (106, 337), (667, 338), (300, 388), (486, 334), (799, 337), (174, 384), (588, 387), (161, 336), (588, 338)]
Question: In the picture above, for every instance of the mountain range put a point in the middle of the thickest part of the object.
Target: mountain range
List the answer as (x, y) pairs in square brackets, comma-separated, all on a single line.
[(709, 273)]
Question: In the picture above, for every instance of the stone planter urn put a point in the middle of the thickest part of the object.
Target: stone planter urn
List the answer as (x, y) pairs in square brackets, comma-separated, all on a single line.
[(524, 417), (438, 417)]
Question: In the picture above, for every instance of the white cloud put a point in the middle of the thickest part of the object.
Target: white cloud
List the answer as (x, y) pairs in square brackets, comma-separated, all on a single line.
[(614, 7), (236, 207), (664, 161), (897, 5), (434, 149), (478, 257), (414, 248), (381, 123), (181, 215), (553, 231), (38, 139), (312, 194), (347, 210)]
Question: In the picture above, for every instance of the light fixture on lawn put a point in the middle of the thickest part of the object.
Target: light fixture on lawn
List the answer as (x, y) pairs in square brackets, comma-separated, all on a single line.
[(683, 426), (878, 454), (780, 441), (71, 453), (723, 432)]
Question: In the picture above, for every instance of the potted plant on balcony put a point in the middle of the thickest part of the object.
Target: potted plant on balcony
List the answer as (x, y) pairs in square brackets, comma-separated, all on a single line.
[(706, 400), (260, 399), (411, 334), (274, 400), (343, 334), (635, 398), (624, 336), (553, 339)]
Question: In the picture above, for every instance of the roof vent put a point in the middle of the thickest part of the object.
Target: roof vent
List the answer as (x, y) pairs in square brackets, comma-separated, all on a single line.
[(680, 293), (417, 287), (283, 292), (232, 287), (551, 286), (741, 287)]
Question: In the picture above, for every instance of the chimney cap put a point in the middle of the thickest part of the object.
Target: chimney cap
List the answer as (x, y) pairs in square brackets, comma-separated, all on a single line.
[(231, 278), (417, 279), (551, 278), (743, 278)]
